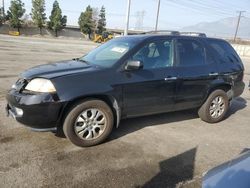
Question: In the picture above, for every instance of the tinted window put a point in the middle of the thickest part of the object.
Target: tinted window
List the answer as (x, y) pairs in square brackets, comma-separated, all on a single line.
[(155, 54), (224, 50), (190, 53)]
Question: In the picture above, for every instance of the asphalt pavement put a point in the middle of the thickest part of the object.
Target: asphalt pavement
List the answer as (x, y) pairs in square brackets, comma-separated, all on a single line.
[(165, 150)]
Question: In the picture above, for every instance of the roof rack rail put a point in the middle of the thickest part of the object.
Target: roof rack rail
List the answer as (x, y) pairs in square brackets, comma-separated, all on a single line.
[(168, 32), (195, 34)]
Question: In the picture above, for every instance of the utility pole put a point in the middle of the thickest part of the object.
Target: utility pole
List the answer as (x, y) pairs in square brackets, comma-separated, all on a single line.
[(238, 23), (127, 18), (139, 20), (157, 16)]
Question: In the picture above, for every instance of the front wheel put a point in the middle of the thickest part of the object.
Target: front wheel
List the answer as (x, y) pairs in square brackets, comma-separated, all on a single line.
[(88, 123), (215, 107)]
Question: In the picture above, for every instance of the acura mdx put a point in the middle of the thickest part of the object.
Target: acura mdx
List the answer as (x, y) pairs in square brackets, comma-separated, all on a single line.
[(128, 77)]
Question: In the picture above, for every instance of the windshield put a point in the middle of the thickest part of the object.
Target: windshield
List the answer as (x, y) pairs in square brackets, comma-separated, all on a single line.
[(109, 53)]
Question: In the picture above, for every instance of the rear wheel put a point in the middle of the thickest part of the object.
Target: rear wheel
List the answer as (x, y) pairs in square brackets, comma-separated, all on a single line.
[(88, 123), (215, 107)]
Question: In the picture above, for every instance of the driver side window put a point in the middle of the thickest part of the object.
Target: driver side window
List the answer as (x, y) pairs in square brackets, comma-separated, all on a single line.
[(156, 54)]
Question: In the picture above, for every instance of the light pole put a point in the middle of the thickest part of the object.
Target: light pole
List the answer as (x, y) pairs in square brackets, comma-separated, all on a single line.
[(157, 16), (127, 18)]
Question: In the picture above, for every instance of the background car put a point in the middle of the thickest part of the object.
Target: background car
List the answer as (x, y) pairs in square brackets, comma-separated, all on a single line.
[(234, 173)]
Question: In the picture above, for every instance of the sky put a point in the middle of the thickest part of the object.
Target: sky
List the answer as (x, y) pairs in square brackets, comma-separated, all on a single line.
[(174, 14)]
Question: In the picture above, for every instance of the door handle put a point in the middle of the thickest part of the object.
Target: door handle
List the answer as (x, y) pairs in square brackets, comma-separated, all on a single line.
[(170, 78), (213, 74)]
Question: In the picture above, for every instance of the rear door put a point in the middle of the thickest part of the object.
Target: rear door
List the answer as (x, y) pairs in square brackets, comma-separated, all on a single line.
[(195, 71)]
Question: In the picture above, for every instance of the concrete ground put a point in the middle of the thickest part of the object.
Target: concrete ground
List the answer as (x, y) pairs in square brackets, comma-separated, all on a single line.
[(156, 151)]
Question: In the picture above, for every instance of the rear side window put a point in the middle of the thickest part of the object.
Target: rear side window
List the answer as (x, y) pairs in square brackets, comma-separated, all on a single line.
[(190, 53), (225, 51)]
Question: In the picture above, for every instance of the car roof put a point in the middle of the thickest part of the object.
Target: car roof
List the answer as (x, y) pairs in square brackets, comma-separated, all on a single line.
[(155, 36)]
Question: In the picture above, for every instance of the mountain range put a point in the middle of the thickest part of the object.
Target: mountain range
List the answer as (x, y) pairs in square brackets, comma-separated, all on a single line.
[(223, 28)]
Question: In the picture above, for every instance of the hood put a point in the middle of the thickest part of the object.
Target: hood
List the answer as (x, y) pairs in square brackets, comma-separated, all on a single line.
[(57, 69)]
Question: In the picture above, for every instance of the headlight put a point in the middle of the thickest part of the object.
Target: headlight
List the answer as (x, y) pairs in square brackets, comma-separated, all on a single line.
[(40, 85)]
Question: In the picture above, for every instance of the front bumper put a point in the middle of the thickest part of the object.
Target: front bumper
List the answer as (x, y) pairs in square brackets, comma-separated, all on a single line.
[(40, 111)]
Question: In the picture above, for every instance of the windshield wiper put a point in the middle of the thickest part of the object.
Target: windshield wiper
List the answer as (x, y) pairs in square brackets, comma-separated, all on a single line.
[(81, 60), (75, 59)]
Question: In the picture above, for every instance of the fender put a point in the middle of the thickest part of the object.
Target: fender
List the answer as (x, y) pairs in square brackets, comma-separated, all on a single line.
[(220, 83), (88, 85)]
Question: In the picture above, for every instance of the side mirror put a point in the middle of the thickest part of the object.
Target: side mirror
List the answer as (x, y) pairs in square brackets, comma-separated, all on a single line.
[(134, 65)]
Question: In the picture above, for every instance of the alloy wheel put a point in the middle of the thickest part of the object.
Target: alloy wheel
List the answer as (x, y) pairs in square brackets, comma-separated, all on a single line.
[(90, 124), (217, 107)]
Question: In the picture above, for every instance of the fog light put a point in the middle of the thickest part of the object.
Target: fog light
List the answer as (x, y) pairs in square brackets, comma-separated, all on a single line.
[(19, 111)]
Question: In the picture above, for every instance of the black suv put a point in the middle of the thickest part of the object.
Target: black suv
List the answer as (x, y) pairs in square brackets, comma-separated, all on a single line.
[(128, 77)]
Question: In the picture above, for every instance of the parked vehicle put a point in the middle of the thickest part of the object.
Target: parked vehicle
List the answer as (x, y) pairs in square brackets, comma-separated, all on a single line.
[(234, 173), (128, 77), (104, 37)]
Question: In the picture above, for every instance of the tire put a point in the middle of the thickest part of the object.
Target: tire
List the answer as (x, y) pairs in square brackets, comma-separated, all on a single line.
[(210, 111), (84, 114)]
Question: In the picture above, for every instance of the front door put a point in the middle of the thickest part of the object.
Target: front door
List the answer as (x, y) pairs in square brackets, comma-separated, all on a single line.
[(151, 89)]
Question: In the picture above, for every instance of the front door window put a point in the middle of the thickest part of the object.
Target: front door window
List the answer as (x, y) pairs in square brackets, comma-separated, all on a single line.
[(155, 54)]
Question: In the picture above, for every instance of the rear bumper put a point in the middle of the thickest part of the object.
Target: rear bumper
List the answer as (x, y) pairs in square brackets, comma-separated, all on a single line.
[(41, 112), (238, 88)]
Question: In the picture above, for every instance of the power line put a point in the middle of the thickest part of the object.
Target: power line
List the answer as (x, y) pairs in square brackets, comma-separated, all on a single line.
[(188, 7), (218, 6), (79, 12), (109, 14), (200, 7), (229, 4)]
